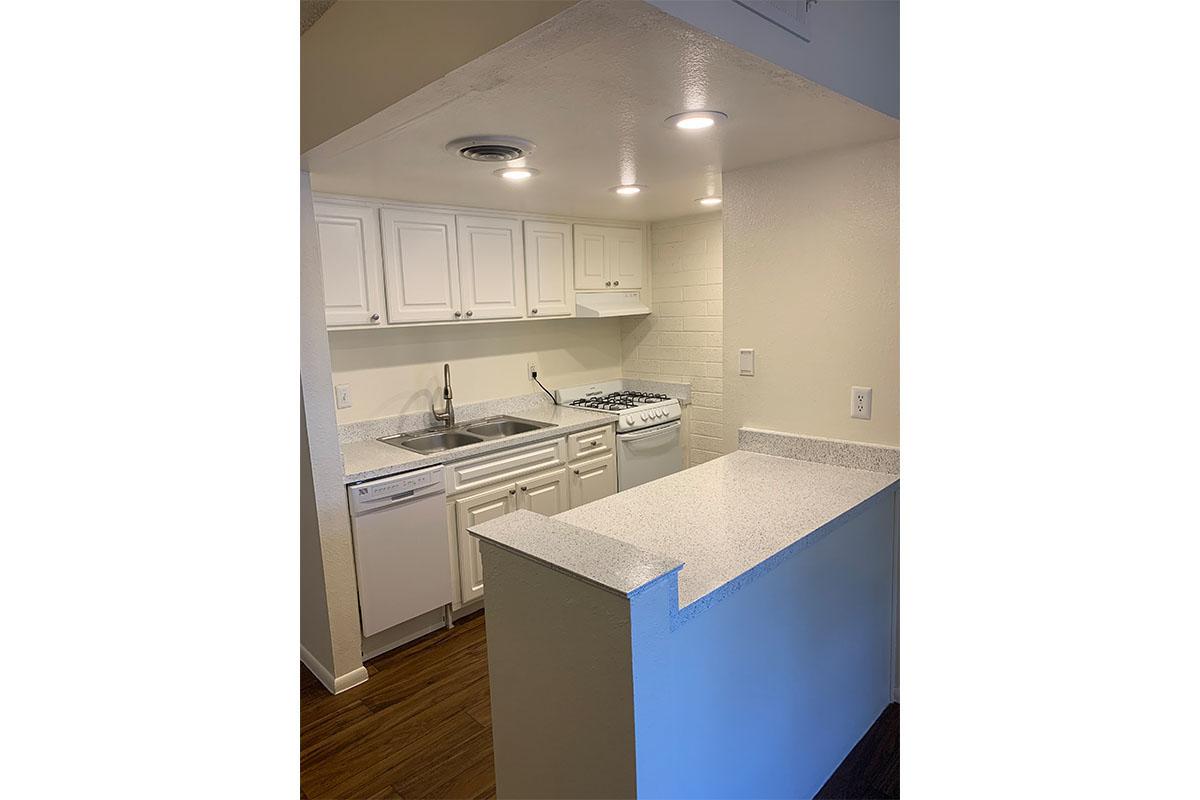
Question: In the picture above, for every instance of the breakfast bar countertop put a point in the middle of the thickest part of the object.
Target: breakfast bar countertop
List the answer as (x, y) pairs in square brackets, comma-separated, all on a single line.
[(722, 519)]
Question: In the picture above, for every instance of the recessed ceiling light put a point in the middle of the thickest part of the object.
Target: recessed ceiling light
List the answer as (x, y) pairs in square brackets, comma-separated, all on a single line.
[(696, 120), (628, 189), (516, 173), (709, 201)]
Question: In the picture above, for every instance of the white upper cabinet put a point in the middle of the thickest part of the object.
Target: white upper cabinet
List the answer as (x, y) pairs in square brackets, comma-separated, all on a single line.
[(420, 260), (608, 258), (351, 263), (625, 258), (491, 264), (549, 264), (590, 267)]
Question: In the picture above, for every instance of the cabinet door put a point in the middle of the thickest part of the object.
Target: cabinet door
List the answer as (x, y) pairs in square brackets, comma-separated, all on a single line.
[(420, 266), (492, 267), (472, 511), (351, 263), (590, 266), (549, 264), (591, 480), (624, 246), (546, 493)]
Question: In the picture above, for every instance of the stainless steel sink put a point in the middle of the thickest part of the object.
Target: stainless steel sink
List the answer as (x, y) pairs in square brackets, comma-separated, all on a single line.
[(424, 442), (436, 440), (496, 427)]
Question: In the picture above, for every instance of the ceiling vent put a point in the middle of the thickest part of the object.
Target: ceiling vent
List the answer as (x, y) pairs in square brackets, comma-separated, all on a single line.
[(491, 149)]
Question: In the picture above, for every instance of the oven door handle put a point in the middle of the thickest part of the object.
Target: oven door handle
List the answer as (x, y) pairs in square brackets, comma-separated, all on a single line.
[(653, 433)]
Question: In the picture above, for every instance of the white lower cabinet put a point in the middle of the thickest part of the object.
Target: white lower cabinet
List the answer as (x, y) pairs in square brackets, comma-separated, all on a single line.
[(593, 479), (546, 494), (472, 510), (553, 490)]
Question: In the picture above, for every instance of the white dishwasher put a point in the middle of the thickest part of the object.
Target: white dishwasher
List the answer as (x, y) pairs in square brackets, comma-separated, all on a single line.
[(401, 549)]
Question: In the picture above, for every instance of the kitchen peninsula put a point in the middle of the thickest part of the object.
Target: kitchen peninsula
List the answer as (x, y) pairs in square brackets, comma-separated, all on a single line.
[(725, 631)]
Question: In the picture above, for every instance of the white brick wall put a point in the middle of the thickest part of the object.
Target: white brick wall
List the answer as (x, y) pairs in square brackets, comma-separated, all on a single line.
[(681, 340)]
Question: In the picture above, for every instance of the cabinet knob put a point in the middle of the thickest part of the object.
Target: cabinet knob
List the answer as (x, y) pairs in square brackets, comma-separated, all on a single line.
[(616, 283), (374, 318), (608, 283), (533, 311), (576, 472), (458, 313), (524, 488), (512, 491), (469, 313)]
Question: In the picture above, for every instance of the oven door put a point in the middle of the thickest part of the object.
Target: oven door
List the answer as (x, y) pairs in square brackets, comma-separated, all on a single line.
[(649, 454)]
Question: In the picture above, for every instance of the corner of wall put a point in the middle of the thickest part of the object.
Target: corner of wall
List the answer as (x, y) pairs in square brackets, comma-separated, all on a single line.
[(681, 340)]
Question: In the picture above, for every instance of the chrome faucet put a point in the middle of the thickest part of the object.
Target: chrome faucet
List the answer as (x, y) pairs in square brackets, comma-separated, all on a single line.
[(446, 416)]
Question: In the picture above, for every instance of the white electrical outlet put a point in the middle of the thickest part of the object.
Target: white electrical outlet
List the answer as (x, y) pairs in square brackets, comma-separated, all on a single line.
[(530, 369), (860, 402), (342, 391)]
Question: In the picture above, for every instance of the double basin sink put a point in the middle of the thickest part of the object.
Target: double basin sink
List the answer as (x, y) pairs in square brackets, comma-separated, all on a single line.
[(436, 440)]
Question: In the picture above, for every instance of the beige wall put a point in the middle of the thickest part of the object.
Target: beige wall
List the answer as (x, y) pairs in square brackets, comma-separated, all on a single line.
[(812, 251), (323, 499), (399, 371), (681, 340), (360, 56)]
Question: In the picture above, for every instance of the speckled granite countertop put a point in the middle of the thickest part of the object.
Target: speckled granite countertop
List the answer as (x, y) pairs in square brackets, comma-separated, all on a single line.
[(722, 519), (369, 458)]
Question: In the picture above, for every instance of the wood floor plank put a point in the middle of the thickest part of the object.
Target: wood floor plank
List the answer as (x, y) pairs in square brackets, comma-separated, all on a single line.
[(482, 710), (476, 777), (371, 768)]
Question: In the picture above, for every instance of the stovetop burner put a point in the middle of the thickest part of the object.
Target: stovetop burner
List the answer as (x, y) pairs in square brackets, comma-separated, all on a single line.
[(619, 401)]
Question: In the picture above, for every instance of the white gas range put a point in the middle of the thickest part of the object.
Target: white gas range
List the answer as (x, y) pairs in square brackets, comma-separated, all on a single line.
[(648, 429)]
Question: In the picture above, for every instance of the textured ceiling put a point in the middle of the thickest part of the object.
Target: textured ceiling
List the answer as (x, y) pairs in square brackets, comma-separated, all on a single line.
[(592, 88)]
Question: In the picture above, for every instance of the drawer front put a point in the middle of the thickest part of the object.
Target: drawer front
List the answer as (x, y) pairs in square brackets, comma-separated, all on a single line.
[(505, 465), (594, 442)]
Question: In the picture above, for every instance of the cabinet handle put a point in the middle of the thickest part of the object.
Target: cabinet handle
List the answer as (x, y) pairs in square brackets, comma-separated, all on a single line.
[(534, 311), (608, 283), (469, 313), (374, 318), (576, 472), (593, 443), (616, 283), (458, 313), (524, 488), (512, 491)]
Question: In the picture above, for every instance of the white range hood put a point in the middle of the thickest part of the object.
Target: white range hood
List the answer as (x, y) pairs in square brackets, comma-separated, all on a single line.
[(609, 304)]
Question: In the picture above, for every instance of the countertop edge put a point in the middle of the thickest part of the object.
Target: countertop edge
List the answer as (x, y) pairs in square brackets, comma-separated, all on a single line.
[(813, 537), (473, 450), (602, 561)]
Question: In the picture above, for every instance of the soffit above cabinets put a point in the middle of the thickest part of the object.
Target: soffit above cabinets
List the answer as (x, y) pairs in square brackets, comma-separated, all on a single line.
[(592, 88)]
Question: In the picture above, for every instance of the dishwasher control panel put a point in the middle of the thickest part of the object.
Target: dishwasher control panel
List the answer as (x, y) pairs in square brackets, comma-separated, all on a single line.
[(395, 487)]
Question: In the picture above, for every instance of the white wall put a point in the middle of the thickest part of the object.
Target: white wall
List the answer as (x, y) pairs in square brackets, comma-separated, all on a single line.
[(681, 340), (324, 513), (812, 251), (399, 370)]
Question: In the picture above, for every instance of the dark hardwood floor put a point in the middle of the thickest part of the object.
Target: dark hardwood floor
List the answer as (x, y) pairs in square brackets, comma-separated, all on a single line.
[(872, 769), (421, 727)]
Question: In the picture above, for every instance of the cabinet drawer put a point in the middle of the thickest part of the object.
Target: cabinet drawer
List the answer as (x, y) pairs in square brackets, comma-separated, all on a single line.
[(594, 442), (505, 465)]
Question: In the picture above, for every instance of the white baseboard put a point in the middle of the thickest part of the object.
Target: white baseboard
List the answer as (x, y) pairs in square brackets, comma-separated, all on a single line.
[(335, 685)]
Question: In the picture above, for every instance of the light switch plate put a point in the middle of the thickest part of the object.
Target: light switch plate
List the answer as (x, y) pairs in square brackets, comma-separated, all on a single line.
[(746, 361), (342, 391), (860, 402)]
